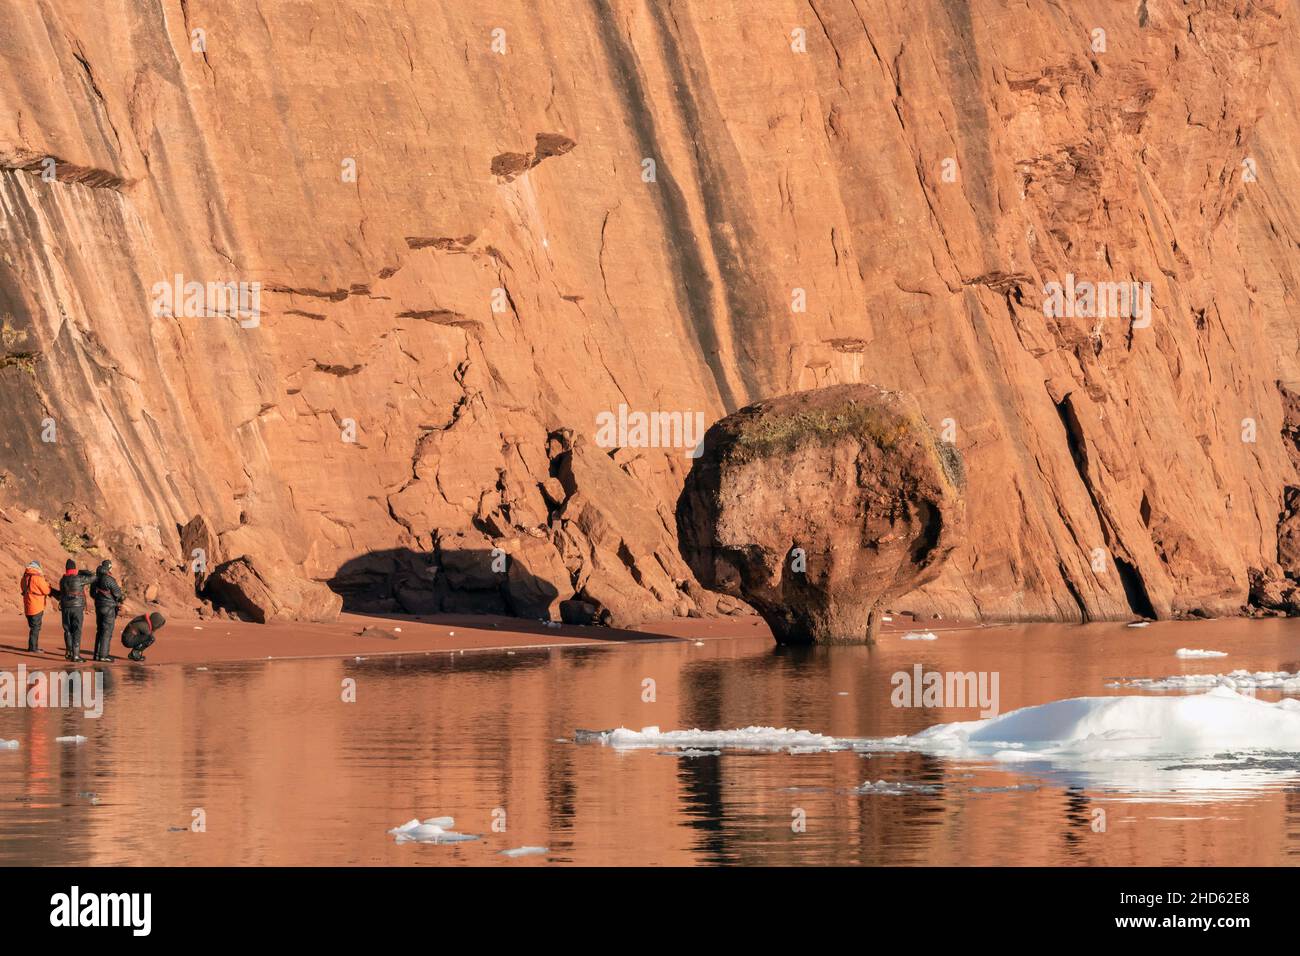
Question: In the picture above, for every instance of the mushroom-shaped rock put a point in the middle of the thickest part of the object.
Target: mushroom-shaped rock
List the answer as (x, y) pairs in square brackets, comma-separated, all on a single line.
[(817, 507)]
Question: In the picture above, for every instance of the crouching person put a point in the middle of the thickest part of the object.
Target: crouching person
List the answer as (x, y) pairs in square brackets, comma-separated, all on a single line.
[(139, 634)]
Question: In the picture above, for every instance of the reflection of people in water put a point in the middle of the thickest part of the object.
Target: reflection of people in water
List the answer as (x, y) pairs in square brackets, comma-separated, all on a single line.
[(139, 634)]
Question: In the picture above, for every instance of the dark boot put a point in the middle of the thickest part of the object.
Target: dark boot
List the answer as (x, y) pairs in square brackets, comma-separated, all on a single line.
[(135, 654)]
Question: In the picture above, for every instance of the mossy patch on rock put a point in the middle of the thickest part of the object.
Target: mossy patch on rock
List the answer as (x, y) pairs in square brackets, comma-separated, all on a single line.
[(775, 432)]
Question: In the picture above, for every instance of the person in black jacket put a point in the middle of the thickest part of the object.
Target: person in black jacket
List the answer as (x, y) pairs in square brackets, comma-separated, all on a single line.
[(72, 601), (139, 634), (108, 598)]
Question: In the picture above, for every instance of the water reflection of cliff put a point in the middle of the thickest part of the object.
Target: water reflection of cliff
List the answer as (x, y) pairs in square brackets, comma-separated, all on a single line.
[(286, 772)]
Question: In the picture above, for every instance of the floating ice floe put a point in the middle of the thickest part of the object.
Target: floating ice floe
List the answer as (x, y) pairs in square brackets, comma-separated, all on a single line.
[(1212, 723), (1197, 748), (526, 851), (1203, 746), (747, 738), (1190, 748), (1139, 624), (433, 830), (920, 636), (1239, 680), (1190, 653), (78, 739)]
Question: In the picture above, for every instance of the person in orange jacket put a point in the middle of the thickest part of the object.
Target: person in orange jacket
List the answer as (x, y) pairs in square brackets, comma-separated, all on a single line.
[(35, 591)]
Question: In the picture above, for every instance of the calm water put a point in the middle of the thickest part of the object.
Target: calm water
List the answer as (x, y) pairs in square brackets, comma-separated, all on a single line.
[(285, 772)]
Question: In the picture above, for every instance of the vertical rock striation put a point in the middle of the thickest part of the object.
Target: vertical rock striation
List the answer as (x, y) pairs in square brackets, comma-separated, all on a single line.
[(476, 227)]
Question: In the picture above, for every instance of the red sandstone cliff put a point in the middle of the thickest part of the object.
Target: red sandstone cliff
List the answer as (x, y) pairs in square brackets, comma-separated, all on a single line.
[(498, 273)]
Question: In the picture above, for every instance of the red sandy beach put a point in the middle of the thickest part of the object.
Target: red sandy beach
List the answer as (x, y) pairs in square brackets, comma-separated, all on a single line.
[(194, 640)]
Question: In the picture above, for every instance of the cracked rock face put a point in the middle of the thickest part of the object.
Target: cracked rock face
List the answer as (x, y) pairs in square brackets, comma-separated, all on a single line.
[(464, 255), (817, 507)]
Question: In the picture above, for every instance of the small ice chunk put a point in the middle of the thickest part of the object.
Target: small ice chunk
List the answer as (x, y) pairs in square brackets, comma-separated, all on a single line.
[(896, 788), (1139, 624), (526, 851), (433, 830), (397, 630), (1189, 653), (77, 739), (690, 752), (920, 636), (8, 745)]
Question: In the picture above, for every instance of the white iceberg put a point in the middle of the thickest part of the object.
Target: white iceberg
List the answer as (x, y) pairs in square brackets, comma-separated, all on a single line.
[(920, 636), (1216, 722), (433, 830), (1215, 745), (1190, 653)]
